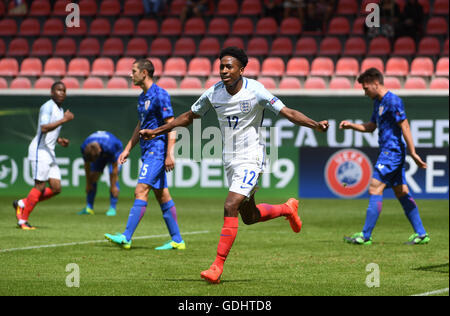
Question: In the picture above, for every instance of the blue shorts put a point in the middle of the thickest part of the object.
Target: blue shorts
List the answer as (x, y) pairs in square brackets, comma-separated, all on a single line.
[(100, 164), (391, 173), (153, 173)]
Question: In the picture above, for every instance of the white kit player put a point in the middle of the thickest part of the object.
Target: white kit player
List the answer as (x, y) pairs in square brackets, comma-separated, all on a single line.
[(239, 103), (41, 154)]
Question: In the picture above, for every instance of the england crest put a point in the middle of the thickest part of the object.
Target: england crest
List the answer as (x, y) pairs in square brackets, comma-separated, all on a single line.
[(245, 107)]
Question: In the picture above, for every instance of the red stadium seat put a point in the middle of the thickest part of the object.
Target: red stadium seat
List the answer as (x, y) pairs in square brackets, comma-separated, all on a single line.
[(20, 83), (339, 26), (306, 46), (227, 8), (59, 8), (251, 7), (123, 66), (18, 47), (442, 66), (211, 82), (42, 47), (242, 26), (167, 83), (171, 27), (273, 67), (218, 26), (137, 47), (71, 82), (89, 47), (440, 7), (81, 30), (133, 8), (194, 27), (3, 82), (190, 83), (2, 47), (9, 67), (44, 83), (109, 8), (404, 46), (425, 5), (93, 83), (117, 83), (315, 83), (282, 46), (176, 7), (347, 66), (53, 27), (113, 47), (234, 41), (55, 67), (340, 83), (422, 66), (372, 62), (347, 7), (100, 27), (31, 67), (290, 83), (364, 4), (358, 26), (175, 67), (268, 82), (65, 47), (397, 66), (392, 83), (8, 27), (161, 47), (258, 46), (199, 66), (209, 46), (123, 27), (184, 46), (290, 27), (445, 49), (79, 67), (102, 67), (297, 66), (253, 68), (40, 8), (379, 46), (157, 64), (266, 26), (436, 25), (216, 67), (429, 46), (88, 7), (322, 66), (30, 27), (355, 46), (147, 27), (330, 46), (415, 83), (439, 83)]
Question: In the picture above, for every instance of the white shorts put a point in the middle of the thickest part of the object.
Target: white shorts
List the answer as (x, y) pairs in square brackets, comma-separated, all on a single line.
[(42, 170), (243, 176)]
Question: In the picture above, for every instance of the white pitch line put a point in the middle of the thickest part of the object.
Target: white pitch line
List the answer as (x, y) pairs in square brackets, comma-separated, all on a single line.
[(91, 242), (432, 292)]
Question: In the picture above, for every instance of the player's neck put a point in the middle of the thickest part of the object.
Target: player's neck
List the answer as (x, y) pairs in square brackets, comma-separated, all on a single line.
[(235, 87), (381, 93), (146, 85)]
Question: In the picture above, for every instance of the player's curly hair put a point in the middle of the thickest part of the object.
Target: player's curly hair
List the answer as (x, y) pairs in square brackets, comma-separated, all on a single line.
[(145, 64), (235, 52), (371, 75)]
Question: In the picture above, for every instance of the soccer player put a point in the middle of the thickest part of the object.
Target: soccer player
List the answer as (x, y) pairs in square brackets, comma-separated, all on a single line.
[(239, 103), (100, 149), (390, 118), (154, 109), (41, 154)]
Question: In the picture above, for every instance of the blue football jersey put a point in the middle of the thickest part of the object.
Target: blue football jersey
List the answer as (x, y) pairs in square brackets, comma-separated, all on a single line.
[(154, 107), (110, 144), (387, 114)]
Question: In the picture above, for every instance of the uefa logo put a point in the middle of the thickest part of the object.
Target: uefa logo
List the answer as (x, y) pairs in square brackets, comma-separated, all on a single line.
[(348, 173)]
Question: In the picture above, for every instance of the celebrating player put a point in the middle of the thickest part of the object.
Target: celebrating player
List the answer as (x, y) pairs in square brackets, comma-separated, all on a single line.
[(98, 150), (154, 109), (390, 118), (41, 154), (239, 103)]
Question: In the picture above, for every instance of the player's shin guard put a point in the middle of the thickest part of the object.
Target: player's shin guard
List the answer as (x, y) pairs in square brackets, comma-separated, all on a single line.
[(373, 212), (48, 193), (227, 237), (90, 197), (412, 212), (30, 202), (170, 217), (136, 214), (268, 211)]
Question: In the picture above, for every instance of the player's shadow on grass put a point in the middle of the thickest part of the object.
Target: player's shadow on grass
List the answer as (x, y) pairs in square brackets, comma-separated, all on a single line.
[(439, 268)]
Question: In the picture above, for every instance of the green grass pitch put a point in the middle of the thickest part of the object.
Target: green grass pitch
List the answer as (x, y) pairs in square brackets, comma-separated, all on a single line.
[(267, 259)]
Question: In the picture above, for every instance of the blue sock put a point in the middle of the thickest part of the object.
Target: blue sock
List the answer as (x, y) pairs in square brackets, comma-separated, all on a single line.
[(170, 217), (91, 196), (113, 200), (412, 212), (373, 212), (136, 214)]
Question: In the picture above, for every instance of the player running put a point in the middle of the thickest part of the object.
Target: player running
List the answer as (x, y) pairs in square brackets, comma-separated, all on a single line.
[(41, 154), (154, 109), (239, 103), (100, 149), (390, 118)]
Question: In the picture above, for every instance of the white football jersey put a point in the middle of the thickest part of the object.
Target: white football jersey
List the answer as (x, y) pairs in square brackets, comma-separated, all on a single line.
[(45, 142), (240, 117)]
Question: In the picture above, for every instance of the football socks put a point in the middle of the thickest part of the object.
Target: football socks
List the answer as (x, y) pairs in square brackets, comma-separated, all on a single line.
[(373, 212), (227, 237), (412, 213), (136, 214), (170, 217)]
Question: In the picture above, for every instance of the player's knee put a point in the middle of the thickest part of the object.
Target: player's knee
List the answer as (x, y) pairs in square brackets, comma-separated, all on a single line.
[(230, 209), (56, 190)]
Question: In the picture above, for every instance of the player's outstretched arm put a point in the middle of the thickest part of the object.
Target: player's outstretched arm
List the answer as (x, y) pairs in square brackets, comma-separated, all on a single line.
[(368, 127), (410, 144), (184, 120), (298, 118)]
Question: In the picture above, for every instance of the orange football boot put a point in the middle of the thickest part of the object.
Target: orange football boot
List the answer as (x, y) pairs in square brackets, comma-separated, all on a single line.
[(293, 217), (212, 275)]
